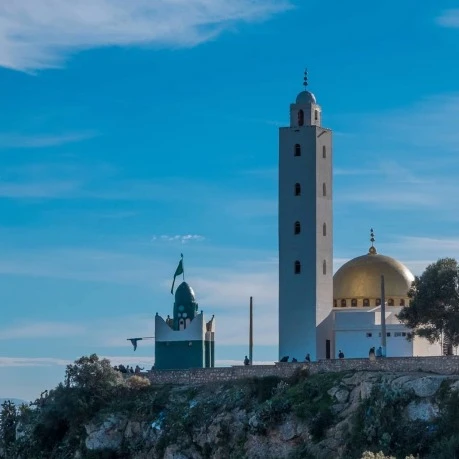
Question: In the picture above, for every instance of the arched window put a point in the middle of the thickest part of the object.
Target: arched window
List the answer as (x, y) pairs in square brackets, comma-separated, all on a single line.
[(324, 267), (300, 118), (366, 302), (316, 115), (297, 150), (335, 304), (390, 302), (343, 303), (297, 189), (324, 229), (324, 151), (354, 302), (402, 302), (297, 267), (297, 228), (324, 189), (378, 301)]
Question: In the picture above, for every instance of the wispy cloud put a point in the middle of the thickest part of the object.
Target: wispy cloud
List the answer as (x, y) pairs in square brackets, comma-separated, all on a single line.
[(41, 330), (409, 247), (144, 362), (182, 238), (428, 124), (32, 362), (40, 190), (37, 35), (449, 18), (10, 140), (337, 171)]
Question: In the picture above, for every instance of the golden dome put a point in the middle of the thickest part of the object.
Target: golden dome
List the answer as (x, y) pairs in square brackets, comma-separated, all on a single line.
[(361, 278)]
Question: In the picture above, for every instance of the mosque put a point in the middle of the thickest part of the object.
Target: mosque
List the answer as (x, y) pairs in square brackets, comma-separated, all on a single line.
[(319, 313)]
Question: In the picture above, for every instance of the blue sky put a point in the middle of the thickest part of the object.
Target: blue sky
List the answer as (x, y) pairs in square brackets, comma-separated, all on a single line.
[(133, 131)]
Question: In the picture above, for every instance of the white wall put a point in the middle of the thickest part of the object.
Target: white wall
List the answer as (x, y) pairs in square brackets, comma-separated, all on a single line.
[(355, 344), (196, 330), (422, 347)]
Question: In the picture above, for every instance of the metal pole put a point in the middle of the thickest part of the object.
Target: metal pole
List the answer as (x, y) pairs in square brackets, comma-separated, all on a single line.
[(251, 332), (383, 317)]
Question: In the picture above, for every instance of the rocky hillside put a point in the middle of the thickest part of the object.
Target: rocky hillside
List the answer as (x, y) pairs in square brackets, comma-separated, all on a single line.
[(333, 415)]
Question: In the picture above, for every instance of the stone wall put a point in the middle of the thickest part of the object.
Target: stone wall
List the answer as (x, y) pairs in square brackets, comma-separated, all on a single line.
[(445, 365)]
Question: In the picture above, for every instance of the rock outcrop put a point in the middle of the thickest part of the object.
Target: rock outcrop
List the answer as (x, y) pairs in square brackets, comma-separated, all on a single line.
[(322, 416)]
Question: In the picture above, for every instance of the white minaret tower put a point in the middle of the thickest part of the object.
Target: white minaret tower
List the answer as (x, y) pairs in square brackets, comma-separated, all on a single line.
[(305, 233)]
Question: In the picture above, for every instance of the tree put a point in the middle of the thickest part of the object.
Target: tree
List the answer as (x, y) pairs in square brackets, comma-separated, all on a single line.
[(433, 312), (92, 373), (8, 422)]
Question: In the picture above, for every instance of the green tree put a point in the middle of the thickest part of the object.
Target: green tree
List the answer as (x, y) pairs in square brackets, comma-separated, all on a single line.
[(8, 423), (92, 373), (433, 312)]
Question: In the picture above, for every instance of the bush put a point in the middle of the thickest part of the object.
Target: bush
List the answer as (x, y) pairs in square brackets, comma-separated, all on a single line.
[(137, 382), (374, 426), (380, 455), (263, 388), (320, 423)]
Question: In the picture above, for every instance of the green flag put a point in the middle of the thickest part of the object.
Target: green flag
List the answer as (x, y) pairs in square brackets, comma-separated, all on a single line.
[(178, 271)]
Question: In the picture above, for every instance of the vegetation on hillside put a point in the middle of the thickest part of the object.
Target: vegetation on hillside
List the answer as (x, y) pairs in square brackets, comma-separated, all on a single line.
[(54, 426)]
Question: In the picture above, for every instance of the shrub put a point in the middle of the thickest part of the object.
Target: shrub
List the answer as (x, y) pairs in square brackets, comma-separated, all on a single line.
[(137, 382), (374, 425), (263, 388), (320, 423)]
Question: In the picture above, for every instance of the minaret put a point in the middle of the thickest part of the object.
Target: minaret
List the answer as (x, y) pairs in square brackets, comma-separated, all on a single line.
[(305, 232)]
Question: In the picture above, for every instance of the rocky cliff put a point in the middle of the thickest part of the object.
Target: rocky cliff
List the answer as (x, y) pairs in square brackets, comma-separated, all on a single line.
[(334, 415)]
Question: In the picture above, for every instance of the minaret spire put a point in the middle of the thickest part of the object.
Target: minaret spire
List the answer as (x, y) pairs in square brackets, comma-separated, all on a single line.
[(372, 250), (305, 78)]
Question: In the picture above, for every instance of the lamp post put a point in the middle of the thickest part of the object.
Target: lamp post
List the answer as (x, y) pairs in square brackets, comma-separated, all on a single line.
[(383, 318)]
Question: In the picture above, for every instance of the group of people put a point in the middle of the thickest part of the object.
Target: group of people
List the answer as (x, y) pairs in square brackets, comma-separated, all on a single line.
[(375, 354), (372, 354), (127, 369)]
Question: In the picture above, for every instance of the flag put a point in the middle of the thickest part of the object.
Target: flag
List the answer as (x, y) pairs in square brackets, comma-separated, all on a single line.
[(178, 271)]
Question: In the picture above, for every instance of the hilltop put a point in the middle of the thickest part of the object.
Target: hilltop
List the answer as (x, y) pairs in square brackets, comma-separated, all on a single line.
[(98, 414)]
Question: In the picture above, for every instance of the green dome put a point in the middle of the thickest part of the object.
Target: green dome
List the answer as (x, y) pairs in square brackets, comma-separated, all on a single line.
[(184, 294)]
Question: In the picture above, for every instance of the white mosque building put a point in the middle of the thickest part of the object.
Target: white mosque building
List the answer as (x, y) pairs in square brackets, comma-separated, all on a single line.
[(319, 313)]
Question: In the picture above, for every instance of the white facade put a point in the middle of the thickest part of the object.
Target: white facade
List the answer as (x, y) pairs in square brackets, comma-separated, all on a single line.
[(357, 330), (305, 233)]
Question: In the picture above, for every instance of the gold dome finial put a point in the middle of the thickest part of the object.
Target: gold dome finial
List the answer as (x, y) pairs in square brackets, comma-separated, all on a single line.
[(372, 250), (305, 78)]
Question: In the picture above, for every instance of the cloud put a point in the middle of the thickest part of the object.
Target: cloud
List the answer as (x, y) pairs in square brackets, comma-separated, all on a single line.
[(183, 238), (83, 265), (245, 207), (41, 330), (410, 248), (32, 362), (355, 171), (42, 190), (146, 362), (38, 35), (429, 124), (449, 18), (9, 140)]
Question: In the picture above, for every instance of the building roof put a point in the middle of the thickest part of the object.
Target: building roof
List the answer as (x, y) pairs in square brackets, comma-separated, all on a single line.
[(361, 277), (184, 294), (306, 97)]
